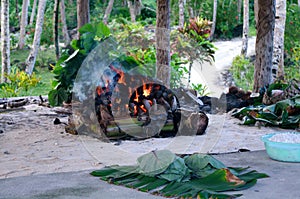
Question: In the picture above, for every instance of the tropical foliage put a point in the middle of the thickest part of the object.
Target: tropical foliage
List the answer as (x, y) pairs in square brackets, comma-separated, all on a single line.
[(19, 83), (68, 65), (191, 176), (284, 114)]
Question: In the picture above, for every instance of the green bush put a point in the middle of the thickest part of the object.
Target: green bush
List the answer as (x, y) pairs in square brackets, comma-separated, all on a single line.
[(20, 83), (243, 72), (292, 28)]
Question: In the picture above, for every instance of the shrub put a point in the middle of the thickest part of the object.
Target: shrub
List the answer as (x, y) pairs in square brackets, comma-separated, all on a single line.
[(20, 83), (292, 28), (243, 72)]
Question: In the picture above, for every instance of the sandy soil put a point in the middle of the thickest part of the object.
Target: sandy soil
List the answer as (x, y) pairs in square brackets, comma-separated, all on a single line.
[(31, 144)]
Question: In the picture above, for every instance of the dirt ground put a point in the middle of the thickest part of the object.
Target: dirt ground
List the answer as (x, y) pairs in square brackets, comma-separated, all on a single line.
[(31, 144)]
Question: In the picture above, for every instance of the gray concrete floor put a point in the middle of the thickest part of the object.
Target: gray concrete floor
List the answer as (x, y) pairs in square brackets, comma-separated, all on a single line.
[(283, 182)]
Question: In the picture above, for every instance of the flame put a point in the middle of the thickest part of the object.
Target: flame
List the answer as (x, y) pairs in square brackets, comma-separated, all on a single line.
[(136, 99), (99, 90), (135, 110), (147, 91), (143, 108), (120, 72)]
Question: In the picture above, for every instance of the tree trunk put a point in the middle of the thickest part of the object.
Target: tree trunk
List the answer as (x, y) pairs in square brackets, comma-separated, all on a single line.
[(256, 12), (33, 12), (278, 51), (5, 40), (264, 44), (162, 36), (190, 9), (64, 22), (17, 9), (239, 9), (213, 28), (131, 7), (245, 28), (23, 24), (108, 11), (181, 13), (55, 28), (37, 37), (83, 14)]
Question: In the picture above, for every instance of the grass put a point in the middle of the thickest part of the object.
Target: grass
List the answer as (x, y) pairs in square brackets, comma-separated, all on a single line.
[(252, 31), (18, 58)]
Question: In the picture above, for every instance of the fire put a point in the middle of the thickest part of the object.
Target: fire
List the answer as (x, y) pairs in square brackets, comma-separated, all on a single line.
[(121, 73), (147, 91), (143, 108), (136, 99)]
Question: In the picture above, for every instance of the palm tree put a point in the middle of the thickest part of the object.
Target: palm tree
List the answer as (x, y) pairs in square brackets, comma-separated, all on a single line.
[(264, 44), (55, 27), (213, 28), (162, 35), (37, 37), (64, 22), (181, 13), (278, 51), (5, 40), (83, 13), (33, 12), (23, 24), (245, 28), (108, 11)]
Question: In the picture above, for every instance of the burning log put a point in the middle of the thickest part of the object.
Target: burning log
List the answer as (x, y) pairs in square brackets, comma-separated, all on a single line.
[(139, 107)]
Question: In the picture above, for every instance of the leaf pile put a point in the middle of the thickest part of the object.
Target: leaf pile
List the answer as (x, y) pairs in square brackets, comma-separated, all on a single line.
[(194, 176), (284, 114)]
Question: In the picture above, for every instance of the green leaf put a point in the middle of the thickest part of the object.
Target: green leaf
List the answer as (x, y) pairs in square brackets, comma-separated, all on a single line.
[(177, 171), (57, 96), (155, 162), (87, 28), (102, 30), (202, 164)]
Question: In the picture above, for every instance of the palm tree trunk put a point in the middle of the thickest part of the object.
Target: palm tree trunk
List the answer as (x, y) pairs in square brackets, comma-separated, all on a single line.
[(213, 28), (33, 12), (181, 13), (190, 9), (83, 14), (37, 37), (108, 11), (245, 28), (64, 22), (278, 51), (55, 28), (23, 24), (239, 9), (256, 12), (264, 44), (162, 36), (5, 40), (131, 7)]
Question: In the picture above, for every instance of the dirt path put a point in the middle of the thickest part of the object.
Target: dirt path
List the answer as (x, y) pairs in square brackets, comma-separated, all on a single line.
[(209, 74)]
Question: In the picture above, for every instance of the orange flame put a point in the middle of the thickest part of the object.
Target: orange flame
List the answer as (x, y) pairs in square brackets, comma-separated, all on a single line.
[(146, 91), (136, 99), (121, 73), (143, 108)]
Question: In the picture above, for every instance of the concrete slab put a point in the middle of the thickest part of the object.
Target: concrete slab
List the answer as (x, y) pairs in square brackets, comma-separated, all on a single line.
[(283, 182)]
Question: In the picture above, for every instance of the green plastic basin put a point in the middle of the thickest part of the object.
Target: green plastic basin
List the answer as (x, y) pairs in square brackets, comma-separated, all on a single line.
[(287, 152)]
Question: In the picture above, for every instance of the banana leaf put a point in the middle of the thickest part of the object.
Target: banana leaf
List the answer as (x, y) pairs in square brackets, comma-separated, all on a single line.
[(155, 162), (284, 114), (202, 164), (183, 183)]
